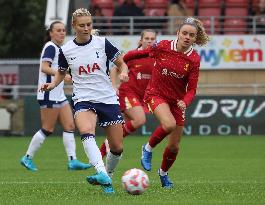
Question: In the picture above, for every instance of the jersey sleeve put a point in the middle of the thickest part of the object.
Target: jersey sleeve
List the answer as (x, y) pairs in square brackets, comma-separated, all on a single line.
[(62, 62), (192, 83), (154, 49), (135, 54), (49, 53), (111, 51)]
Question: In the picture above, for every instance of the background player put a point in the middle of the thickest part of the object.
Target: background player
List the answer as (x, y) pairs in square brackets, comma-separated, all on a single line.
[(171, 89), (53, 104), (131, 93)]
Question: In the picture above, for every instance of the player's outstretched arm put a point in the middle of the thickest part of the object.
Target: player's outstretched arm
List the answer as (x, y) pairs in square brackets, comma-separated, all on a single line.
[(135, 54)]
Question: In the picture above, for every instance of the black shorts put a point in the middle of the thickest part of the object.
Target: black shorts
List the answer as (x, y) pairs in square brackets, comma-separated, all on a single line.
[(52, 104), (108, 114)]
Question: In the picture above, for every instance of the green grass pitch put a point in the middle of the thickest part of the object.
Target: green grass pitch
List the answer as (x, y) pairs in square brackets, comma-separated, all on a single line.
[(209, 170)]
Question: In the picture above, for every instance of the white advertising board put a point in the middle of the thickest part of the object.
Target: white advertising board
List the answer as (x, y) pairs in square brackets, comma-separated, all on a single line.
[(222, 52)]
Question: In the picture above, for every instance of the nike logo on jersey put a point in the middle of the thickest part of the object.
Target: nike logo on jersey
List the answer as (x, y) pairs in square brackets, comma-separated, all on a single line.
[(97, 53), (119, 116), (137, 66), (72, 58)]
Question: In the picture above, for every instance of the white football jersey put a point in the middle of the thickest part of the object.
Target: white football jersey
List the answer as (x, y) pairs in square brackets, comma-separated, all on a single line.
[(50, 53), (89, 65)]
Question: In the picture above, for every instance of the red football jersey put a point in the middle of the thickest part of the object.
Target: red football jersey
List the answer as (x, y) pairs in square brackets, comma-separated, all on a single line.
[(140, 69), (175, 75)]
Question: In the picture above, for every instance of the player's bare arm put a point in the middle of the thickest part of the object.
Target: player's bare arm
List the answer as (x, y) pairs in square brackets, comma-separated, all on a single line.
[(68, 79), (46, 68), (122, 68), (113, 78)]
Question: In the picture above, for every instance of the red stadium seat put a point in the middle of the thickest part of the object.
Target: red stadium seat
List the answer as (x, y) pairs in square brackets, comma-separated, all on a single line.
[(156, 3), (107, 12), (216, 11), (103, 3), (190, 3), (235, 26), (209, 3), (255, 3), (236, 3), (254, 6), (236, 11), (208, 27)]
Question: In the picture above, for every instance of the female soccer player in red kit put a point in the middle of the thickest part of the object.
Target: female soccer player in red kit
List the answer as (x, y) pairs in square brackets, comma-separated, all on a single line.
[(171, 90), (131, 93)]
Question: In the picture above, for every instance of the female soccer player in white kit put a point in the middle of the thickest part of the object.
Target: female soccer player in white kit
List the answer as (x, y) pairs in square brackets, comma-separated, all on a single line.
[(53, 104), (88, 57)]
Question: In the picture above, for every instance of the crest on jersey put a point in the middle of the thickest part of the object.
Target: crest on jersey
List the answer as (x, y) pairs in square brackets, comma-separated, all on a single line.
[(186, 67), (152, 101)]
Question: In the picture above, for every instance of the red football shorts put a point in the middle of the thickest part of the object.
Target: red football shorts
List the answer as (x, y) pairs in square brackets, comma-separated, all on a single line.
[(130, 100), (153, 101)]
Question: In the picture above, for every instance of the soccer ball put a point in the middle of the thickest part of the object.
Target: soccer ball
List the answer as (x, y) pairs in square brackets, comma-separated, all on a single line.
[(135, 181)]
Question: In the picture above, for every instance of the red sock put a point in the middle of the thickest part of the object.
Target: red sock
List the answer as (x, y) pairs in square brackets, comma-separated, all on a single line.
[(127, 128), (168, 159), (157, 136), (103, 150)]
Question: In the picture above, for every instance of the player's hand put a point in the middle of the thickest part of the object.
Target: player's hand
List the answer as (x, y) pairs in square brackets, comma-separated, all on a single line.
[(46, 87), (181, 104), (68, 79), (124, 77)]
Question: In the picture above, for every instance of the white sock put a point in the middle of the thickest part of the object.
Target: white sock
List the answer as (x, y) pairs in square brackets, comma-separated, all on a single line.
[(112, 162), (93, 153), (69, 145), (107, 145), (162, 173), (35, 143), (148, 147)]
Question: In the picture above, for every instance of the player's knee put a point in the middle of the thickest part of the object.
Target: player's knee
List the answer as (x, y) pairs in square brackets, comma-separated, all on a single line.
[(69, 127), (47, 132), (139, 122), (86, 129), (168, 126), (117, 148), (117, 152), (174, 148)]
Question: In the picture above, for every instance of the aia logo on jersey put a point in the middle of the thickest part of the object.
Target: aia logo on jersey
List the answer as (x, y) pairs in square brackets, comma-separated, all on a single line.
[(88, 69)]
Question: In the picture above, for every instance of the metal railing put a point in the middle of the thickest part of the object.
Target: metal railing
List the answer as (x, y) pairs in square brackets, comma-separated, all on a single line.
[(167, 25), (19, 91)]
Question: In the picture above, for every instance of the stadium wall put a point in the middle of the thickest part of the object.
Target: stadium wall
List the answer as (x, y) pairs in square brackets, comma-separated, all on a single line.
[(207, 115)]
